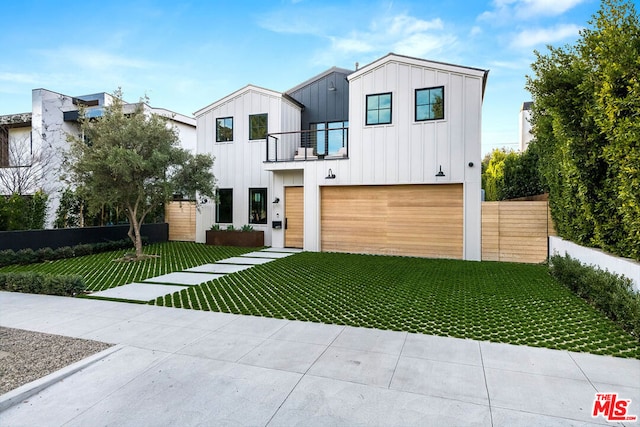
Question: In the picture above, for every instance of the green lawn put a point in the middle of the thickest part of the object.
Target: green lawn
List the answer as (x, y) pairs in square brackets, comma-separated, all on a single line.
[(101, 272), (502, 302)]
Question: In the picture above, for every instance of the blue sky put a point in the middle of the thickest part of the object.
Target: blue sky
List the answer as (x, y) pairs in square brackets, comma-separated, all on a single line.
[(185, 55)]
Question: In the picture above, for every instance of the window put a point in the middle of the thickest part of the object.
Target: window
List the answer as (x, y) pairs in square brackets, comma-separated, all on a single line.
[(257, 206), (330, 137), (379, 109), (4, 147), (224, 208), (258, 126), (430, 104), (224, 129)]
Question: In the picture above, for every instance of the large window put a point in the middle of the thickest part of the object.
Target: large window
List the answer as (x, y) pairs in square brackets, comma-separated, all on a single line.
[(430, 104), (379, 109), (329, 138), (224, 129), (224, 208), (257, 206), (258, 126)]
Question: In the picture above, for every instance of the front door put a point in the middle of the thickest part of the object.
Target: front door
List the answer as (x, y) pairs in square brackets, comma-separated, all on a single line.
[(294, 217)]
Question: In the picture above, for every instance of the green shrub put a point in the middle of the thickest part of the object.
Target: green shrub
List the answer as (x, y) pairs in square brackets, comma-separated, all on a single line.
[(64, 252), (82, 250), (45, 254), (610, 293), (7, 257), (26, 256), (246, 228), (38, 283)]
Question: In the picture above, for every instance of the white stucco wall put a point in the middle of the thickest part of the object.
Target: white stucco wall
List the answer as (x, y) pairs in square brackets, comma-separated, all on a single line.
[(598, 258)]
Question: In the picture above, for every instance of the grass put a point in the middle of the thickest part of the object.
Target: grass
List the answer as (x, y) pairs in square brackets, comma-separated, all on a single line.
[(101, 272), (502, 302)]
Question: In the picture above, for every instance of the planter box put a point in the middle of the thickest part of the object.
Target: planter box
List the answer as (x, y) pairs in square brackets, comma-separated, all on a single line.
[(246, 239)]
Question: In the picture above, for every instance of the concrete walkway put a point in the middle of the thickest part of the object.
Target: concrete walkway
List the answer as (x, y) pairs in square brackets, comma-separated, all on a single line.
[(169, 283), (187, 367)]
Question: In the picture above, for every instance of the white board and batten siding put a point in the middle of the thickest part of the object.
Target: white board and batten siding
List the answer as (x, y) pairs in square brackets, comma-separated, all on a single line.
[(410, 152), (238, 163)]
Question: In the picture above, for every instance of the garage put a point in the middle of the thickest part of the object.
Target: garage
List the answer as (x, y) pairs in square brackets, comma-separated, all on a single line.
[(414, 220)]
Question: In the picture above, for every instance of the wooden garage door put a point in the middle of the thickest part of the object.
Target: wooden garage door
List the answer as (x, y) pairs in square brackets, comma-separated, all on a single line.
[(418, 220)]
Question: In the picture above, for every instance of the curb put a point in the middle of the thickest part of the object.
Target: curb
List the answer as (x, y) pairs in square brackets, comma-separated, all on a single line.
[(25, 391)]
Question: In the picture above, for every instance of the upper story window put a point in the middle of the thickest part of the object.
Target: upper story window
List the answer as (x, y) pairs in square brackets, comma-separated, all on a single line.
[(430, 104), (258, 126), (224, 129), (379, 109)]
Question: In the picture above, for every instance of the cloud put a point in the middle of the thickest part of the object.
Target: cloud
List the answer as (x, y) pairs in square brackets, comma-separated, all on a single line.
[(402, 34), (19, 78), (90, 58), (506, 10), (542, 36)]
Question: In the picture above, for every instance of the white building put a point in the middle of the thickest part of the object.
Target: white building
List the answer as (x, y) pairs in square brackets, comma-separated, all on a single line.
[(382, 160), (32, 144), (524, 125)]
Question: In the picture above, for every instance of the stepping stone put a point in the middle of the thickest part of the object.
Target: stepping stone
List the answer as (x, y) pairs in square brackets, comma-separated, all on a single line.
[(283, 250), (245, 260), (218, 268), (274, 255), (139, 291), (184, 278)]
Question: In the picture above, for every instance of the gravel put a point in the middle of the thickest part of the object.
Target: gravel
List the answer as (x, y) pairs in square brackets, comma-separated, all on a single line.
[(26, 356)]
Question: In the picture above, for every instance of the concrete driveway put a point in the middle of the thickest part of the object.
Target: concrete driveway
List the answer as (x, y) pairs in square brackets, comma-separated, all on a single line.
[(186, 367)]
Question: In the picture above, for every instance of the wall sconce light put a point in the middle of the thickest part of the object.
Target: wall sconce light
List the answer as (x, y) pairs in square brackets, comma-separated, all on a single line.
[(276, 200), (332, 87), (330, 175), (440, 173)]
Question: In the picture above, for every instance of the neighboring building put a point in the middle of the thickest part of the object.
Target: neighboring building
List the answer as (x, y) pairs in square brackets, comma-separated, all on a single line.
[(525, 125), (383, 160), (32, 144)]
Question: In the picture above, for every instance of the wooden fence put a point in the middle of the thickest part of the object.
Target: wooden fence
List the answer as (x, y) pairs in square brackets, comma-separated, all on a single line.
[(181, 216), (516, 231)]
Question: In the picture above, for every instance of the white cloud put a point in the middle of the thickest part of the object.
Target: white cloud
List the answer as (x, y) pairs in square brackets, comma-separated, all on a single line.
[(19, 78), (94, 59), (505, 10), (541, 36), (402, 34)]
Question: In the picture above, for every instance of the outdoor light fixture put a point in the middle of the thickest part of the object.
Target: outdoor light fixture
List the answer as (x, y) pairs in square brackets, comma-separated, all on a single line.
[(440, 173), (330, 175), (332, 87), (276, 200)]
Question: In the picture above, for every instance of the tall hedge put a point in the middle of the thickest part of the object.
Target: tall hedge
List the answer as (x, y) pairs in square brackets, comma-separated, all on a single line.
[(586, 126)]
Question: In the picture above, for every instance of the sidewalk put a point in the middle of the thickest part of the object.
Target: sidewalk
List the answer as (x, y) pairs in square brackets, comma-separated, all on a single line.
[(187, 367)]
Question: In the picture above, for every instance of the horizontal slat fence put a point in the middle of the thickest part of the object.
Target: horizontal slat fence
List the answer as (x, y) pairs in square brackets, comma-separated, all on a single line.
[(516, 231)]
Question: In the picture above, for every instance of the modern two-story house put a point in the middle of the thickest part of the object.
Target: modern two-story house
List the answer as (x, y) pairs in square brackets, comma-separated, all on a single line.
[(384, 160)]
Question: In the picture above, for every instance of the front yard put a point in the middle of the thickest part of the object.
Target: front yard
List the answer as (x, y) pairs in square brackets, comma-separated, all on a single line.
[(511, 303)]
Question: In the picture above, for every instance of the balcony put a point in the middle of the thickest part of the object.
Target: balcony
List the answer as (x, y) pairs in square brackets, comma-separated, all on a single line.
[(325, 141)]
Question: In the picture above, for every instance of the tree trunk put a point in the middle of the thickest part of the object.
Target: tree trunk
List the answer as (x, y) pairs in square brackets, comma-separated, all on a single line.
[(134, 235)]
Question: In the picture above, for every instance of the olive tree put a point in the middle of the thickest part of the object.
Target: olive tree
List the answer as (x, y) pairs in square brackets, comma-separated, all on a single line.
[(131, 160)]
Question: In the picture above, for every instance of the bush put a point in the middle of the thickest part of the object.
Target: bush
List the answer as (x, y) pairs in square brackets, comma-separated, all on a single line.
[(26, 256), (46, 254), (610, 293), (29, 256), (38, 283)]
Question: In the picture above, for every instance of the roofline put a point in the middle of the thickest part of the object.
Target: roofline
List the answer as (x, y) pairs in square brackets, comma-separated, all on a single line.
[(319, 76), (242, 90), (479, 72)]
